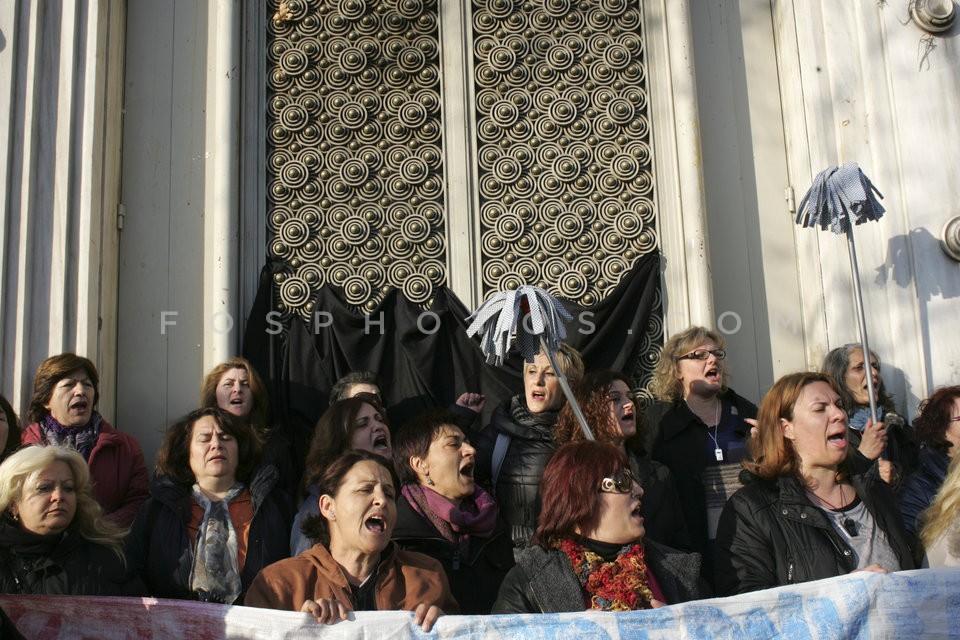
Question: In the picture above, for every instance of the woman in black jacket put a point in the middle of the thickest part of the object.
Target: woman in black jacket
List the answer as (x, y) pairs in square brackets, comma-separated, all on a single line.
[(606, 401), (589, 550), (214, 518), (443, 513), (517, 444), (53, 537), (937, 430), (698, 430), (802, 518)]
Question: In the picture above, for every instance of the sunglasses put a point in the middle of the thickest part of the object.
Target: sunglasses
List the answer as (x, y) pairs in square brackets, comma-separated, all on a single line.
[(703, 354), (620, 482)]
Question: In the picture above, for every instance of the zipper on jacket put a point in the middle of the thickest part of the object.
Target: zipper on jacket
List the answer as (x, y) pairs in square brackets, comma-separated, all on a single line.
[(790, 572), (456, 560)]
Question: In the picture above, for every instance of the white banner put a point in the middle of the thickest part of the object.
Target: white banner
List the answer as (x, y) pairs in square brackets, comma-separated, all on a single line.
[(909, 604)]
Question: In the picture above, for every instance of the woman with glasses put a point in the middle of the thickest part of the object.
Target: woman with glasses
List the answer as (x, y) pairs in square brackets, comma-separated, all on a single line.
[(803, 516), (937, 430), (589, 550), (699, 430), (607, 403)]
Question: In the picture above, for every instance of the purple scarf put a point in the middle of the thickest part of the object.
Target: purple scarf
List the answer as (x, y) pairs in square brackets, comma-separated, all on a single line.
[(80, 438), (476, 515)]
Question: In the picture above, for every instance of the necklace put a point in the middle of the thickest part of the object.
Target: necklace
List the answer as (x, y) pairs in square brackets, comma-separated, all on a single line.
[(849, 524), (717, 451)]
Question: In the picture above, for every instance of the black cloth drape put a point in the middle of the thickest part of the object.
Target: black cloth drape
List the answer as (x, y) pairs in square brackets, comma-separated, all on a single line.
[(423, 356)]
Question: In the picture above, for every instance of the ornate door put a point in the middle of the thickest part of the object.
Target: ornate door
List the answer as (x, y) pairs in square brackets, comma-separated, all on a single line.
[(546, 177)]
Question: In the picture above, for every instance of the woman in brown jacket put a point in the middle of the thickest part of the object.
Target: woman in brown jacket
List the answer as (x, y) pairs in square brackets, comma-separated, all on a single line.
[(355, 566)]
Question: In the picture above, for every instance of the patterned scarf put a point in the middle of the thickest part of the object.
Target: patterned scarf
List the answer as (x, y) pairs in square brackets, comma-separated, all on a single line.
[(80, 438), (620, 585), (476, 515), (215, 575)]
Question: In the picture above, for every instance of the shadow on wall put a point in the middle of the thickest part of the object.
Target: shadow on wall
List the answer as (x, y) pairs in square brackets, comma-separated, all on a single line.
[(931, 277)]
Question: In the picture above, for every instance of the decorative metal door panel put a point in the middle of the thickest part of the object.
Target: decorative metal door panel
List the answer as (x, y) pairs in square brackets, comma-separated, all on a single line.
[(563, 177)]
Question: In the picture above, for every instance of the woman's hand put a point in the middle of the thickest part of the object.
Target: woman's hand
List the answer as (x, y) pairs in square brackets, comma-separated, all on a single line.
[(885, 467), (874, 440), (472, 401), (326, 611), (425, 616), (754, 426), (656, 604), (873, 568)]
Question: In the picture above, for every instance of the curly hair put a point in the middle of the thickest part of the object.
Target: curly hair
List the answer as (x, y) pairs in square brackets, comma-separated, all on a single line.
[(316, 526), (260, 413), (666, 384), (173, 459), (334, 432), (592, 394), (930, 427), (13, 429), (22, 467), (835, 365), (570, 489), (53, 370)]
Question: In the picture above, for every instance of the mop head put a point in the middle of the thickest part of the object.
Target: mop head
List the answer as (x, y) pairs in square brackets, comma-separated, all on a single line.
[(501, 319), (838, 196)]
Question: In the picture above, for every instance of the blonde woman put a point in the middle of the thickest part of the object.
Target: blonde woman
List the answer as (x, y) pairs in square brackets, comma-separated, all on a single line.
[(699, 430), (940, 535), (54, 539)]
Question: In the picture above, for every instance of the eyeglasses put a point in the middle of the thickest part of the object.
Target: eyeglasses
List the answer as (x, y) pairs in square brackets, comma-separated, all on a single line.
[(620, 482), (703, 354)]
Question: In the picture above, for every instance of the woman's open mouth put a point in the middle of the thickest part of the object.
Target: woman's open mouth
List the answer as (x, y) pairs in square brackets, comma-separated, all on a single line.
[(376, 524), (381, 443), (467, 470)]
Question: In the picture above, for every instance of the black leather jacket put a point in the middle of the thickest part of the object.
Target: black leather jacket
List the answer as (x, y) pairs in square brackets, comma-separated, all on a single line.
[(770, 535), (543, 580), (530, 449)]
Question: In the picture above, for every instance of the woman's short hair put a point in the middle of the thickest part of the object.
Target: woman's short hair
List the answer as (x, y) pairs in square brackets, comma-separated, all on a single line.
[(415, 438), (666, 384), (930, 427), (570, 362), (773, 455), (316, 527), (570, 489), (13, 429), (945, 508), (835, 365), (342, 386), (334, 432), (593, 396), (260, 415), (22, 467), (173, 459), (53, 370)]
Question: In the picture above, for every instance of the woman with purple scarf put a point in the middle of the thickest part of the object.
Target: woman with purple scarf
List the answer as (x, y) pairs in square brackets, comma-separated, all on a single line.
[(443, 513), (63, 412)]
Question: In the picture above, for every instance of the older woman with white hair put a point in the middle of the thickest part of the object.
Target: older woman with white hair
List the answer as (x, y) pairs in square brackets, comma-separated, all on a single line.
[(54, 539)]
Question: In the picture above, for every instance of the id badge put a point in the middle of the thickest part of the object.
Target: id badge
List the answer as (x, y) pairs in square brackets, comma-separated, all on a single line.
[(718, 453)]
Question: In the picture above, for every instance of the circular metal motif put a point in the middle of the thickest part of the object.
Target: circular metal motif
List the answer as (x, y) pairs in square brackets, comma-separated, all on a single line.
[(355, 160)]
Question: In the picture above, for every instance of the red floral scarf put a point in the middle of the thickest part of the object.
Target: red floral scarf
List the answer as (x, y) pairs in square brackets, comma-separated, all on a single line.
[(620, 585)]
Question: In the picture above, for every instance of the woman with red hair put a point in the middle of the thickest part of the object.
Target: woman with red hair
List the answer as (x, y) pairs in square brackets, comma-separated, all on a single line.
[(589, 551)]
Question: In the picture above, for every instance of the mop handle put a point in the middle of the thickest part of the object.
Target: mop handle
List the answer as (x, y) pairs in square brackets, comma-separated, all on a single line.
[(862, 323), (567, 391)]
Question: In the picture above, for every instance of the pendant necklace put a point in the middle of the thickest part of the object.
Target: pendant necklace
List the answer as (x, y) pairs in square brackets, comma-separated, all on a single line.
[(849, 524), (717, 451)]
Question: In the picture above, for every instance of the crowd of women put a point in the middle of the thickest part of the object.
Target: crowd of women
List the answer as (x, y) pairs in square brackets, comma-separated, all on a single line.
[(700, 493)]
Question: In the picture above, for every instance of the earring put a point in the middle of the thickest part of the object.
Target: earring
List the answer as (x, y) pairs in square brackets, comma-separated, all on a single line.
[(430, 482), (15, 516)]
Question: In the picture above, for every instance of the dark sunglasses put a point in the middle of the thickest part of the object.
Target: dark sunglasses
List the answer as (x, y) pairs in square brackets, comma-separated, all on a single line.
[(621, 482), (703, 354)]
